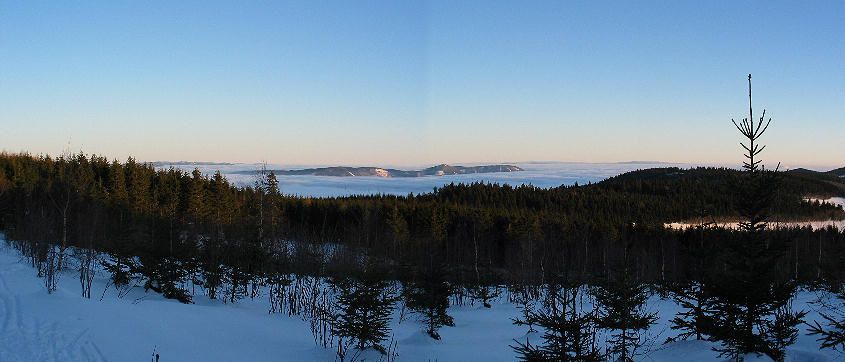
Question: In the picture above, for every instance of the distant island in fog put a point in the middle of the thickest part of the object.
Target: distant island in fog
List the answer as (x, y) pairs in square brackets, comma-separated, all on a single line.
[(439, 170)]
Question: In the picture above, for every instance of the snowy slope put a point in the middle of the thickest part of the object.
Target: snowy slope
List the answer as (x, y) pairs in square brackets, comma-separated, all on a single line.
[(35, 326)]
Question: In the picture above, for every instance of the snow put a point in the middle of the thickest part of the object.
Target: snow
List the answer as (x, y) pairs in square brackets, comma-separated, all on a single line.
[(36, 326), (66, 327)]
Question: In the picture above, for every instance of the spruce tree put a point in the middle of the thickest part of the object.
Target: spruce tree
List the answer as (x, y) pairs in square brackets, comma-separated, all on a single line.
[(428, 295), (569, 331), (483, 290), (4, 185), (363, 308), (399, 231), (167, 277), (693, 321), (196, 204), (621, 304), (832, 333), (272, 200), (749, 311), (120, 262), (138, 187)]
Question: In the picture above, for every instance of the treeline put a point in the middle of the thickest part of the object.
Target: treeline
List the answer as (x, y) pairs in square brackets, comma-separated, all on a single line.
[(184, 233), (133, 210), (654, 196)]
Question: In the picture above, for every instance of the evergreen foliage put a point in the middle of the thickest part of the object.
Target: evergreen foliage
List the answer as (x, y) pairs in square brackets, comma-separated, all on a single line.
[(621, 303), (832, 334), (751, 308), (428, 295), (569, 331), (363, 308), (694, 318)]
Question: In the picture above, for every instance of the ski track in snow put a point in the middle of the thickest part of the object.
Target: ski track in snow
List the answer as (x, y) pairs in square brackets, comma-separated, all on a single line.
[(33, 340)]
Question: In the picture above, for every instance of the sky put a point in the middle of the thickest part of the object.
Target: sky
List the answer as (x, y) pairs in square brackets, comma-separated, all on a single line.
[(422, 82)]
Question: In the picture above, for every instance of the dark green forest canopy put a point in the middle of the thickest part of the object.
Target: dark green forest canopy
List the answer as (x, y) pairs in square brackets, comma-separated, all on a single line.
[(132, 209), (651, 196)]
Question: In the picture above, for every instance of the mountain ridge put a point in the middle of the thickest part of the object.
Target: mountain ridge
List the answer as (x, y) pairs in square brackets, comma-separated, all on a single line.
[(438, 170), (840, 172)]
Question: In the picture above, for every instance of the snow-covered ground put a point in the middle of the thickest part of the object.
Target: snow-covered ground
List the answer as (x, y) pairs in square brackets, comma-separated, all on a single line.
[(540, 174), (35, 326)]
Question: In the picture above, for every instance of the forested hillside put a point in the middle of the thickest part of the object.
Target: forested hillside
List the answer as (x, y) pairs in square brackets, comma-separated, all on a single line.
[(840, 172), (130, 209), (181, 234)]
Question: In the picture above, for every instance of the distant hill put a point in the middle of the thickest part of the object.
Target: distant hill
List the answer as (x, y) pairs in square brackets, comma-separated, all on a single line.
[(838, 172), (681, 193), (797, 182), (802, 170), (188, 163), (439, 170)]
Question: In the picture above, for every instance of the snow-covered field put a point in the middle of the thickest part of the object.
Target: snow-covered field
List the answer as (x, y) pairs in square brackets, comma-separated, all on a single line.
[(540, 174), (35, 326)]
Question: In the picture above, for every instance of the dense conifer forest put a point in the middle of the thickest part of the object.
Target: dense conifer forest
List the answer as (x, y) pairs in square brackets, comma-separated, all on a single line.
[(131, 209), (182, 233)]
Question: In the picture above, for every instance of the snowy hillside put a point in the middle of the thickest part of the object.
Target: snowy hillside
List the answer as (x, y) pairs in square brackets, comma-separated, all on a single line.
[(131, 325)]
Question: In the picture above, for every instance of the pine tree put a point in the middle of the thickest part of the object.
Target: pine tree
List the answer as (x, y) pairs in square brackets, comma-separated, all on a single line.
[(439, 224), (139, 187), (166, 276), (694, 319), (120, 263), (363, 308), (272, 200), (168, 193), (569, 331), (196, 204), (399, 230), (428, 296), (481, 290), (621, 309), (4, 184), (832, 334), (748, 312), (219, 205), (118, 195)]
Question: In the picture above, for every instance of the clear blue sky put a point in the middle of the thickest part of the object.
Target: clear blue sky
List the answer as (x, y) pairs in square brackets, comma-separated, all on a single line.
[(404, 82)]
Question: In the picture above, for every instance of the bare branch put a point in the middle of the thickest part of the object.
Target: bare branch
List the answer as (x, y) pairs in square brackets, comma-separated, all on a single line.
[(764, 128)]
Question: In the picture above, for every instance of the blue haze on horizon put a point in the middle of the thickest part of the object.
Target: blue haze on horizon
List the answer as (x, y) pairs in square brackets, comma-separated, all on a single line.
[(422, 82)]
